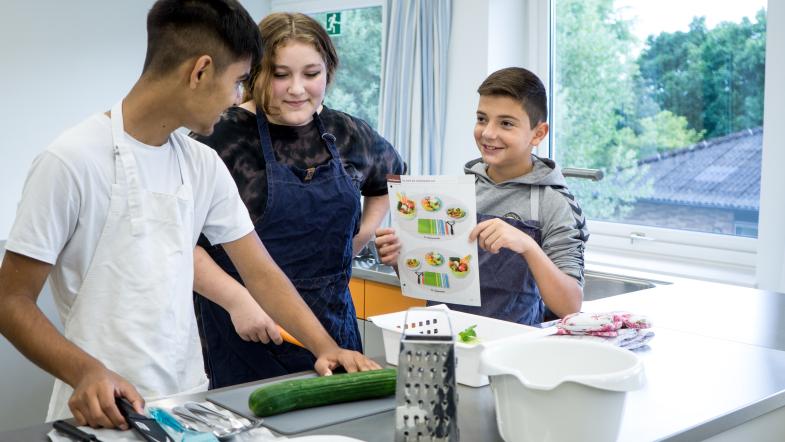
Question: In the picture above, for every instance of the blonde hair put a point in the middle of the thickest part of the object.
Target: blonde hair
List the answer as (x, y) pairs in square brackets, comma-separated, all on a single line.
[(279, 29)]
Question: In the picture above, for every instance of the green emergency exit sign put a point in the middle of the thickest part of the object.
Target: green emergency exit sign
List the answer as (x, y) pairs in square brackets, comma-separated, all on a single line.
[(333, 23)]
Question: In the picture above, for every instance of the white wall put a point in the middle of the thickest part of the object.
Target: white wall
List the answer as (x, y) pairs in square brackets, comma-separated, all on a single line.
[(467, 66), (62, 61), (507, 31), (486, 35)]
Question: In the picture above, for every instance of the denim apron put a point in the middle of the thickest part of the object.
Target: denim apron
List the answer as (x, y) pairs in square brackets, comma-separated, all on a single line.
[(508, 290), (307, 227)]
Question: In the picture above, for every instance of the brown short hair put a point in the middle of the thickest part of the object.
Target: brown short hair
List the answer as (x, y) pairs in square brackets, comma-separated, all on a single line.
[(277, 30), (522, 85)]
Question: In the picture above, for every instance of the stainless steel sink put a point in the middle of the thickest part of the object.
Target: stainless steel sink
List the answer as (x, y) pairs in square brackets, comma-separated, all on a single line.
[(602, 285)]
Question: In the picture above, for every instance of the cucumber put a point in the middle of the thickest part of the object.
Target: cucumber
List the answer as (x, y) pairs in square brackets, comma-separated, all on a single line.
[(297, 394)]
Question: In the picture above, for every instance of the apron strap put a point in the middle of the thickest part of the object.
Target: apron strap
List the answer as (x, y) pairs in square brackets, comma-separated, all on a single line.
[(127, 172), (264, 136), (267, 143), (535, 203), (328, 138)]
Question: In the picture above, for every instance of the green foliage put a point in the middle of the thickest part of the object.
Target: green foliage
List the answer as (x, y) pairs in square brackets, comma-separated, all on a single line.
[(595, 78), (663, 132), (712, 77), (355, 88), (611, 110)]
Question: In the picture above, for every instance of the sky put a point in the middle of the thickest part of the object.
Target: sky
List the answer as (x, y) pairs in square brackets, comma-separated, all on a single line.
[(655, 16)]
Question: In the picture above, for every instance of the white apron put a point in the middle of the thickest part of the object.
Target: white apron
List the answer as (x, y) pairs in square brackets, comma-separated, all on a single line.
[(134, 310)]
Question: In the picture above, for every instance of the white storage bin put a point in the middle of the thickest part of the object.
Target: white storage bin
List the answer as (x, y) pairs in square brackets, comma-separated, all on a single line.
[(489, 332)]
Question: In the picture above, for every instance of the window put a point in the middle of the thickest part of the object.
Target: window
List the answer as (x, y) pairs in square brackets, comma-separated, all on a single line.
[(667, 99), (356, 31)]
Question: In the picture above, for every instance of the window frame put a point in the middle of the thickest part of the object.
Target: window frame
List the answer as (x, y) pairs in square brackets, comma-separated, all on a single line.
[(708, 256)]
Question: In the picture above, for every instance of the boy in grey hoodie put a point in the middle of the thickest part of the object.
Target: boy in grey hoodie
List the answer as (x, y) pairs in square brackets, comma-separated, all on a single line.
[(531, 230)]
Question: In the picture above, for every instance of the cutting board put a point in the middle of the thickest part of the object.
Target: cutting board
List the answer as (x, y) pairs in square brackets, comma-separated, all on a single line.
[(298, 421)]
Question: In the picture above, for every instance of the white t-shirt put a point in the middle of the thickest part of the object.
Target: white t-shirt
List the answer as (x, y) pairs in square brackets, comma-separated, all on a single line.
[(66, 197)]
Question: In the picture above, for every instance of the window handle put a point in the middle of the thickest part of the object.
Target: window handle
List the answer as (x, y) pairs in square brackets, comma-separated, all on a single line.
[(589, 174), (639, 236)]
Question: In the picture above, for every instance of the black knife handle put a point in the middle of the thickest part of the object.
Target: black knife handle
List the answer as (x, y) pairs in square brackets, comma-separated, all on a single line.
[(71, 430), (146, 427)]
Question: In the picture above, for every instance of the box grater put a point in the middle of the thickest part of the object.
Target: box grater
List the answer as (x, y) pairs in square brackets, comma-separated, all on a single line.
[(426, 397)]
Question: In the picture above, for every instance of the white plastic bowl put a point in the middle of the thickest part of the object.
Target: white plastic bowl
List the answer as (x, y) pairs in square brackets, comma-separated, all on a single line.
[(553, 389)]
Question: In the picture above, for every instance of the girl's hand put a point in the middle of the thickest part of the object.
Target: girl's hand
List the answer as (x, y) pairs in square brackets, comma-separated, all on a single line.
[(388, 246), (252, 323)]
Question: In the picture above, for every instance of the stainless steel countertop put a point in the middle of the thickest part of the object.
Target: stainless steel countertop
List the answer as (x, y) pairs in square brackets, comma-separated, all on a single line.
[(738, 314), (716, 362)]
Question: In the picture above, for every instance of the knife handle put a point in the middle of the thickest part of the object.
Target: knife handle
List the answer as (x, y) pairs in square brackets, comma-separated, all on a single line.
[(289, 338), (71, 430)]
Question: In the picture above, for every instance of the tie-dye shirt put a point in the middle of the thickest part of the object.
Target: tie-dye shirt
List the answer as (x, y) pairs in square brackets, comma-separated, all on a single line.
[(366, 156)]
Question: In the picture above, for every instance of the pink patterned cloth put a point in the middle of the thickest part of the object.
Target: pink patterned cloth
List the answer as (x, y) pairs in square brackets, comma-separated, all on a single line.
[(623, 329)]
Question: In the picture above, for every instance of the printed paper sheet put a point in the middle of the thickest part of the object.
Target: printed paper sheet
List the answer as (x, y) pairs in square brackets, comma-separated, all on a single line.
[(433, 216)]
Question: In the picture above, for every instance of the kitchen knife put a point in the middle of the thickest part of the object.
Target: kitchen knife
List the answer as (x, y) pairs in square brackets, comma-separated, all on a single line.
[(72, 431), (147, 427), (289, 338)]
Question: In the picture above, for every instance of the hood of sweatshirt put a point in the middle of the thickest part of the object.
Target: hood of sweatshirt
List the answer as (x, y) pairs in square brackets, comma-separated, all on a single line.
[(544, 173)]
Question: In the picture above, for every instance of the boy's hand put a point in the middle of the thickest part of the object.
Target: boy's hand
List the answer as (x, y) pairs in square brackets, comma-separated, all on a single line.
[(93, 400), (251, 322), (495, 234), (388, 246)]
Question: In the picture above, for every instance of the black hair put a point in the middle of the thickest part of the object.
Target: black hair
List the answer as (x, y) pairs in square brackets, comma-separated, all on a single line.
[(178, 30), (522, 85)]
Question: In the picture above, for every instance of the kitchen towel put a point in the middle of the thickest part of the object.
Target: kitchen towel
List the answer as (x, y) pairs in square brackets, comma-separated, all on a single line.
[(623, 329), (601, 324), (627, 338)]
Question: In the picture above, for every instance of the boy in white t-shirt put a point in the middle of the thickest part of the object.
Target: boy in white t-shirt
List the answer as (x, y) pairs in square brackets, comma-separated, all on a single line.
[(113, 209)]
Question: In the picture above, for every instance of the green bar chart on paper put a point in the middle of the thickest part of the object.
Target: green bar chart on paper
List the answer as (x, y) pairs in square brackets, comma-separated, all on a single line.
[(435, 279), (427, 226)]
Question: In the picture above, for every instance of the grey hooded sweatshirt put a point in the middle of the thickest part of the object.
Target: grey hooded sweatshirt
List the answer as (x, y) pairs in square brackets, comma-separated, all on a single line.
[(564, 232)]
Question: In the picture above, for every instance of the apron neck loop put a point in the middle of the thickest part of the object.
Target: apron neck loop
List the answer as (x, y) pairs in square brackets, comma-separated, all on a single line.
[(126, 171), (267, 144), (327, 137)]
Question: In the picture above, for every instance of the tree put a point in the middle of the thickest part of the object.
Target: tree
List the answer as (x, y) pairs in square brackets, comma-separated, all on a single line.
[(664, 131), (712, 77), (611, 110), (594, 79), (355, 88)]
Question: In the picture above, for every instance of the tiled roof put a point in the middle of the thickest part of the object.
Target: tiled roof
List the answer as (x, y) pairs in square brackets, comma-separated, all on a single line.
[(721, 172)]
